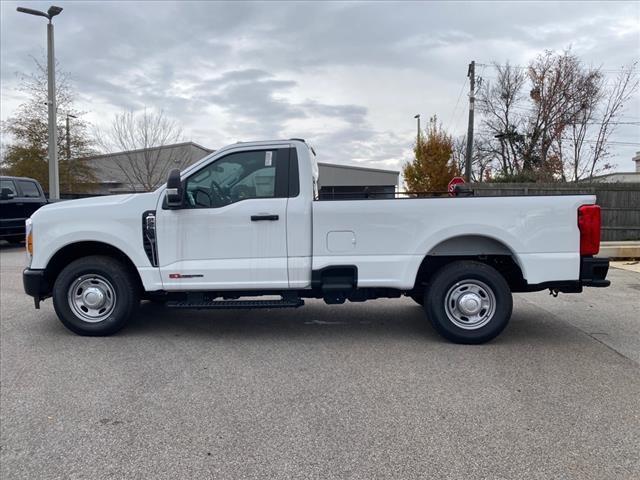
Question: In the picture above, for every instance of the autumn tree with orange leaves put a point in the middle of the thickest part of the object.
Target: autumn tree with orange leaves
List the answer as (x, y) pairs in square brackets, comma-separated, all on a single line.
[(433, 165)]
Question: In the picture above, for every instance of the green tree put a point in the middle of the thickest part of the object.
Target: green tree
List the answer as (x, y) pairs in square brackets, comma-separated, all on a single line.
[(26, 151), (433, 165)]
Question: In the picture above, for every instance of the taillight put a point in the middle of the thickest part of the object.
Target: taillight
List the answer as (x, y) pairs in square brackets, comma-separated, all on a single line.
[(589, 225)]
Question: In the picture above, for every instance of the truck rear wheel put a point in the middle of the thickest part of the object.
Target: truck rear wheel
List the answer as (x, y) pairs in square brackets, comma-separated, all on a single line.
[(95, 296), (468, 302)]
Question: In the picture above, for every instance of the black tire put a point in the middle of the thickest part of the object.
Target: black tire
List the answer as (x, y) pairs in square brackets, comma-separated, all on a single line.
[(455, 277), (115, 274), (418, 298)]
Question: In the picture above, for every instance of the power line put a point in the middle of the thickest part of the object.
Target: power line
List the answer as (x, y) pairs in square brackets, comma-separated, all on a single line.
[(589, 140), (612, 142), (637, 124), (522, 108), (634, 71), (457, 103)]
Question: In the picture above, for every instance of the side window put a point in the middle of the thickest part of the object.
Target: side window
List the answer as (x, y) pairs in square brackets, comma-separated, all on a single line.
[(8, 184), (29, 189), (239, 176)]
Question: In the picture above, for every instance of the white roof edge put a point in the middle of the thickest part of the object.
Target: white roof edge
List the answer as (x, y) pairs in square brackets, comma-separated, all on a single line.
[(138, 150), (612, 174), (354, 167), (264, 142)]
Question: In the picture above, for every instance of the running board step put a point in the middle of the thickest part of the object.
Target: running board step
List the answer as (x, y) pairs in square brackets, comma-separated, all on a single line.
[(229, 304)]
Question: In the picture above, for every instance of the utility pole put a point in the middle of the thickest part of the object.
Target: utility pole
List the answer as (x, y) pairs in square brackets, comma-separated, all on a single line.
[(69, 138), (471, 73), (418, 135), (54, 179)]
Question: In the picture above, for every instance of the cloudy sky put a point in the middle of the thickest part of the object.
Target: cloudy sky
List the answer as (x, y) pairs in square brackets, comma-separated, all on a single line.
[(348, 77)]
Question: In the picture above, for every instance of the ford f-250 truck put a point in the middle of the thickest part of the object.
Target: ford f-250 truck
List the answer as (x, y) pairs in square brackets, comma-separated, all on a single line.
[(245, 222)]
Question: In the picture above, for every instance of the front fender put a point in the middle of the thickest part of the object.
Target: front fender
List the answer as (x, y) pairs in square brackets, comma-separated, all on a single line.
[(50, 244)]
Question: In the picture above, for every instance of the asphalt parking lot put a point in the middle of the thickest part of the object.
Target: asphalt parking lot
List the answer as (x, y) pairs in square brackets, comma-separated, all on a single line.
[(353, 391)]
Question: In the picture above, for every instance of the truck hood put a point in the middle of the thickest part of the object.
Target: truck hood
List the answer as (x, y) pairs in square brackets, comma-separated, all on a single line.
[(115, 221), (134, 203)]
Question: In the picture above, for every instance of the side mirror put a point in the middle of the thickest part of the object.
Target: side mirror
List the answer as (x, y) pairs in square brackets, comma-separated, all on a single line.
[(174, 189), (6, 194)]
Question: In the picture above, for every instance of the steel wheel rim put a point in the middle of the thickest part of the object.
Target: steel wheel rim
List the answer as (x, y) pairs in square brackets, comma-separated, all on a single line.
[(92, 298), (470, 304)]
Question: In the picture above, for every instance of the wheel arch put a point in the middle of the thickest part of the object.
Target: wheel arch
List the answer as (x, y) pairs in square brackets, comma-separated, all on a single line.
[(479, 247), (76, 250)]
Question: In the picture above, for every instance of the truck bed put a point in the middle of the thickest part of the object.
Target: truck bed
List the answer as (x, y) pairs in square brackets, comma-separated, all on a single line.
[(387, 239)]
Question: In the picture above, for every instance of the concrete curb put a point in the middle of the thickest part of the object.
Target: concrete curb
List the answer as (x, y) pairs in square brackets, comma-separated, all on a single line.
[(620, 249)]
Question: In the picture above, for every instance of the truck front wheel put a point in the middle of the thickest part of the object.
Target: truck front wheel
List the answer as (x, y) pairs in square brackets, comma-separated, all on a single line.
[(95, 296), (468, 302)]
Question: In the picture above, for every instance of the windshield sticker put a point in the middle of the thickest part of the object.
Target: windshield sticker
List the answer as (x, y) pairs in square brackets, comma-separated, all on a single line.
[(267, 159)]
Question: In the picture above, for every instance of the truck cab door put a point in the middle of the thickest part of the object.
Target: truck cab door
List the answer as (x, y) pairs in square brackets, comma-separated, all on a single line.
[(11, 210), (31, 196), (231, 232)]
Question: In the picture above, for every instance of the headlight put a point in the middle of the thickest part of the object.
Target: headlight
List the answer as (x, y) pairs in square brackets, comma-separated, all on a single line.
[(29, 239)]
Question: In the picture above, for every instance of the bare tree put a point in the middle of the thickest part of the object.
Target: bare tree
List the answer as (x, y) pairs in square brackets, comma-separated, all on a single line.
[(548, 134), (562, 92), (585, 149), (144, 141), (502, 104), (481, 160)]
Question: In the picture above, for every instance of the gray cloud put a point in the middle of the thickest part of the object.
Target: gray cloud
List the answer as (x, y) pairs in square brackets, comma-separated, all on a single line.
[(347, 76)]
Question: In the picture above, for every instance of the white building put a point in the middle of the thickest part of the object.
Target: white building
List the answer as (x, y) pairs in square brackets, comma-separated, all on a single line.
[(621, 177)]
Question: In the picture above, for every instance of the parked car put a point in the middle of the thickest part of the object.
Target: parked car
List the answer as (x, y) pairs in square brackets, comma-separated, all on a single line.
[(19, 198), (245, 222)]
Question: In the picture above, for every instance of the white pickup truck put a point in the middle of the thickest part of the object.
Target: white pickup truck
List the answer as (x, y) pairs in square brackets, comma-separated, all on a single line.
[(245, 222)]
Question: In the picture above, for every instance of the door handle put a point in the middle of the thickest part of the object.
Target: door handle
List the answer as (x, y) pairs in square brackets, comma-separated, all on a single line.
[(258, 218)]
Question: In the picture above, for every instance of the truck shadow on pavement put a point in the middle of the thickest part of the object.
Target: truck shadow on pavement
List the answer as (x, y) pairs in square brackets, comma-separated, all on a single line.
[(315, 318), (399, 319)]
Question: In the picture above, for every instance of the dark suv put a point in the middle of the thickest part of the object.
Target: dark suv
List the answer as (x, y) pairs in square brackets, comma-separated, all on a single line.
[(19, 198)]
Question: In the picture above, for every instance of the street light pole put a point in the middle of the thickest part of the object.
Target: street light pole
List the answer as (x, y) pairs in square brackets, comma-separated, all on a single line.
[(418, 135), (54, 179)]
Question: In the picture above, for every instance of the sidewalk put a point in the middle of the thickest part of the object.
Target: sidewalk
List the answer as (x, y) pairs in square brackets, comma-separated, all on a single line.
[(631, 265)]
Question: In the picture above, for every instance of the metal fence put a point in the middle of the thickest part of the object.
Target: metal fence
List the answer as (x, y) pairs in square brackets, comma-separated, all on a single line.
[(620, 202)]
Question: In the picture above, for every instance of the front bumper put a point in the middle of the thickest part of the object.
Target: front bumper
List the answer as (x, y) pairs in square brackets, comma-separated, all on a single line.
[(36, 285), (593, 272)]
